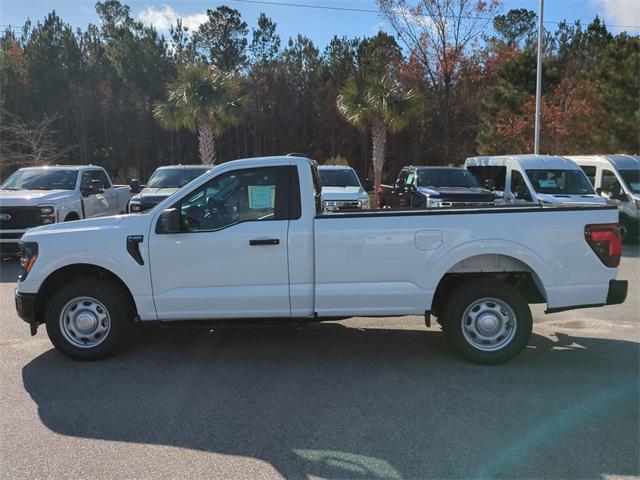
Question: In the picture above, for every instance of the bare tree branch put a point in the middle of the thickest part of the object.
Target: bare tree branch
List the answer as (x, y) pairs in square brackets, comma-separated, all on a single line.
[(28, 143)]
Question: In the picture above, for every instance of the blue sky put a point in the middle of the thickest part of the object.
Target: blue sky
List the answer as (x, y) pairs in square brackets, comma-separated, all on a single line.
[(319, 25)]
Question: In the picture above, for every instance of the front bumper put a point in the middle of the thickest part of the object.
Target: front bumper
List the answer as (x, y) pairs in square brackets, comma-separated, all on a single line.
[(26, 308)]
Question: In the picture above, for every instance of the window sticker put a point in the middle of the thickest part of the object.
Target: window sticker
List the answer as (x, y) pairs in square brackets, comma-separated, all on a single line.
[(262, 196), (551, 183)]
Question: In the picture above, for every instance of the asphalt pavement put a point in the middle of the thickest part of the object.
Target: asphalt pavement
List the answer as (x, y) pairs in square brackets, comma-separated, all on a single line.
[(377, 398)]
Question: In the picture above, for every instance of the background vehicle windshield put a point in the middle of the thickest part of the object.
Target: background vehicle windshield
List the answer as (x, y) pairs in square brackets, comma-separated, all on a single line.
[(41, 179), (560, 182), (442, 177), (338, 178), (174, 177), (632, 179)]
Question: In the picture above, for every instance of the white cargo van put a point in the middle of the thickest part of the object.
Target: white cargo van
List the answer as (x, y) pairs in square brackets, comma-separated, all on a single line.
[(617, 179), (540, 179)]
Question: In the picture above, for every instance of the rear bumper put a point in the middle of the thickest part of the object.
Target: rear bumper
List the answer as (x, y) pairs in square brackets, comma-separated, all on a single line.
[(616, 294)]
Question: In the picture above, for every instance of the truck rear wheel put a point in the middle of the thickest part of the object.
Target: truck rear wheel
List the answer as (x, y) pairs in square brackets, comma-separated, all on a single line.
[(487, 322), (88, 319)]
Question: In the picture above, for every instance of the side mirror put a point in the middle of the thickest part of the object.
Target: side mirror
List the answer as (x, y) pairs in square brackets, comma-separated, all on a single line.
[(134, 186), (169, 221), (400, 183), (599, 190), (620, 195), (522, 193), (97, 186)]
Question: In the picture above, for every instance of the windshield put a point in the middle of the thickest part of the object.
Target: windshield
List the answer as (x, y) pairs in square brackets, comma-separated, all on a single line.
[(632, 179), (344, 177), (174, 177), (560, 182), (41, 179), (445, 177)]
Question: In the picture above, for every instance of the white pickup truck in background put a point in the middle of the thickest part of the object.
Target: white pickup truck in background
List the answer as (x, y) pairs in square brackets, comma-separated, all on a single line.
[(35, 196), (342, 188), (250, 240)]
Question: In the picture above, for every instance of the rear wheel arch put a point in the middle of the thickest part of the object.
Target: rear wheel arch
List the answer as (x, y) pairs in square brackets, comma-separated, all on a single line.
[(496, 268), (73, 272), (72, 216)]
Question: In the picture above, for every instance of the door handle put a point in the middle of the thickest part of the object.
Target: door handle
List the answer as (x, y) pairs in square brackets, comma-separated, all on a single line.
[(266, 241)]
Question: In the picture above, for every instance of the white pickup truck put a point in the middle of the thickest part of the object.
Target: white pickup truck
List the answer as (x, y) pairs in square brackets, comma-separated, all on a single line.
[(249, 241), (35, 196)]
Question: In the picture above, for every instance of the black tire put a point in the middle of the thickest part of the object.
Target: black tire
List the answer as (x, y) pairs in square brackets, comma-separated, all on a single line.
[(71, 217), (456, 324), (118, 308)]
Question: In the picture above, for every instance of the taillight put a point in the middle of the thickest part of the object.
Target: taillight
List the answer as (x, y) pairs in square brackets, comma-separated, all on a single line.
[(606, 242)]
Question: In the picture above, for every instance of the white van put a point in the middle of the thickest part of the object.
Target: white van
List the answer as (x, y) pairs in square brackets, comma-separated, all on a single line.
[(617, 179), (540, 179)]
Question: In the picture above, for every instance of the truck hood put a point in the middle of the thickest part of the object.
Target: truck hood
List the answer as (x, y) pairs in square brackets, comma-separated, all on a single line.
[(28, 198), (560, 199), (342, 193), (149, 193), (102, 223), (435, 191)]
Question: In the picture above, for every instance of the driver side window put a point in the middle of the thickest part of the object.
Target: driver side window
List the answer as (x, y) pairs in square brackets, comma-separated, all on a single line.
[(256, 194), (519, 187)]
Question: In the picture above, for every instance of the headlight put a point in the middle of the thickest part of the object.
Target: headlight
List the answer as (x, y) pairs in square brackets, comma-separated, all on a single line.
[(433, 202), (47, 214), (135, 207), (28, 256), (364, 202)]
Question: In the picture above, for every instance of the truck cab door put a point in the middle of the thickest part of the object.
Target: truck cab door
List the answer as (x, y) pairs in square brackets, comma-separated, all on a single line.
[(92, 203), (227, 257), (400, 189)]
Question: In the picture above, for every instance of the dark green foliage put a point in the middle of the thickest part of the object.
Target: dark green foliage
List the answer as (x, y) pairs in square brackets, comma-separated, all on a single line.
[(100, 85)]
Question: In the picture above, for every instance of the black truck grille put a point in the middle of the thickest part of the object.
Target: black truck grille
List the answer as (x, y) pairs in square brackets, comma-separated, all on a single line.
[(19, 217)]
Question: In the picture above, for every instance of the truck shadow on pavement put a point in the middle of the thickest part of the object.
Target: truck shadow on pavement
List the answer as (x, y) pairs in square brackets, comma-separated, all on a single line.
[(340, 402)]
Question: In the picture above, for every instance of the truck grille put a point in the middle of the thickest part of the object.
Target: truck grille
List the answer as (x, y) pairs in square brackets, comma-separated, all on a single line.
[(19, 217), (466, 204), (335, 205)]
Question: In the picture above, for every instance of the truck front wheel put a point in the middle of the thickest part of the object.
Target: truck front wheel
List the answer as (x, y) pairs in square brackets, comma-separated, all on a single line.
[(88, 319), (487, 322)]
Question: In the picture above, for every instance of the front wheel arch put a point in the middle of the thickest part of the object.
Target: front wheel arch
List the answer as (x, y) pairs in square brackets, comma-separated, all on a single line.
[(73, 272)]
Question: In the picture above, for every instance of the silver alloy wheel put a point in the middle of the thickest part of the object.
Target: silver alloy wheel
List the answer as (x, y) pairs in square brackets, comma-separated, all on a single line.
[(85, 322), (489, 324)]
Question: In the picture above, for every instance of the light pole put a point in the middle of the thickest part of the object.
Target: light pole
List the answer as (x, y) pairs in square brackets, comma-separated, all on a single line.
[(536, 142)]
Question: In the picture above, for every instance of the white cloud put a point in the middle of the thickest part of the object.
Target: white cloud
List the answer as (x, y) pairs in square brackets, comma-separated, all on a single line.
[(163, 18), (619, 12), (410, 17)]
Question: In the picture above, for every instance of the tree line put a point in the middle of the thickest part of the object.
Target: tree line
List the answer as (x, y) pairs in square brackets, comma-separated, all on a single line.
[(455, 79)]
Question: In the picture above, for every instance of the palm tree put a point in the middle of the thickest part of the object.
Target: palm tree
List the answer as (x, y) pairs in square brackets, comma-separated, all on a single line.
[(202, 99), (380, 106)]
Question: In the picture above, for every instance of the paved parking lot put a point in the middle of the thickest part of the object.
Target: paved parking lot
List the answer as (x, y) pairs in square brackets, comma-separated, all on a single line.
[(362, 398)]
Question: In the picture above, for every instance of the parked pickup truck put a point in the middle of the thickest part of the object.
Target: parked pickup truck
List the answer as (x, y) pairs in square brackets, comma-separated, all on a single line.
[(420, 187), (249, 241), (164, 182), (43, 195), (341, 188)]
